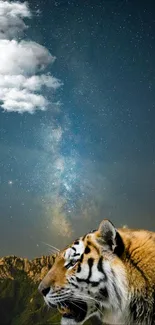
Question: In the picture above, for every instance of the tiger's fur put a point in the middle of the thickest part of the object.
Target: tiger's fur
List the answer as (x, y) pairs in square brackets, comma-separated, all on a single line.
[(108, 272)]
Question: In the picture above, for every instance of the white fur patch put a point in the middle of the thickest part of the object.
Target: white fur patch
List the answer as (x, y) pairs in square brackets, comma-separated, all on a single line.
[(68, 321), (74, 252), (84, 272), (118, 279), (96, 275)]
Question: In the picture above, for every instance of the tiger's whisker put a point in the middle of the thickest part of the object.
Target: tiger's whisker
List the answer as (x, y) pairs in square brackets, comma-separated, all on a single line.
[(51, 246), (77, 306), (87, 297)]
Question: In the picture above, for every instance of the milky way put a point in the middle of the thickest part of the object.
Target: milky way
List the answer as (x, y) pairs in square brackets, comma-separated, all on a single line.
[(77, 143)]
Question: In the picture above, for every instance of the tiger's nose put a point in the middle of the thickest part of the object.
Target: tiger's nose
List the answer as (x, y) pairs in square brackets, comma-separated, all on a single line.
[(44, 290)]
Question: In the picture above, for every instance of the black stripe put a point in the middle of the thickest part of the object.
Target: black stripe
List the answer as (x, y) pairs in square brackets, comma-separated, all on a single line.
[(115, 287), (100, 267), (74, 285), (82, 280), (76, 242), (76, 254), (104, 292), (87, 250), (135, 264), (153, 312), (79, 268), (81, 258), (89, 243), (133, 309), (142, 311), (140, 270), (90, 263), (83, 238), (119, 249), (94, 283), (117, 293)]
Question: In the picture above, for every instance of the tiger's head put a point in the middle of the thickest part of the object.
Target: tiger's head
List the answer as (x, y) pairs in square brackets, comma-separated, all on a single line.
[(88, 277)]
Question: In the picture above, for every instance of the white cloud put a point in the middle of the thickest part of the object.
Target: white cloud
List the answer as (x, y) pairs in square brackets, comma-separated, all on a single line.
[(22, 100), (11, 18), (34, 83), (23, 57), (22, 63)]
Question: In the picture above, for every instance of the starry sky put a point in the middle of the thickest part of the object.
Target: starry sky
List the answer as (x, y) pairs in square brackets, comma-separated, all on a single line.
[(77, 120)]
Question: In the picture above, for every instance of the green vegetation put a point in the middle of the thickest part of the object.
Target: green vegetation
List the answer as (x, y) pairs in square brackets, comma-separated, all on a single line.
[(21, 304)]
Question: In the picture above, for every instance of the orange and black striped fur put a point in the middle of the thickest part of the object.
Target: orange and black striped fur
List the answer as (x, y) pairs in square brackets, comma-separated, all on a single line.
[(109, 273)]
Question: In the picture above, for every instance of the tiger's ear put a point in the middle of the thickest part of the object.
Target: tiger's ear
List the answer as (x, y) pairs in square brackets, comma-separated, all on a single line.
[(107, 233), (109, 237)]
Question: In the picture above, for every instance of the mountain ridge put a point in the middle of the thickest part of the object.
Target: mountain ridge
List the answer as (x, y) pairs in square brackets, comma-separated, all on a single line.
[(35, 268)]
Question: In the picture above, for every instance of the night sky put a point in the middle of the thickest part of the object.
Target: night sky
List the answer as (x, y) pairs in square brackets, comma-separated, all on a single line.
[(77, 120)]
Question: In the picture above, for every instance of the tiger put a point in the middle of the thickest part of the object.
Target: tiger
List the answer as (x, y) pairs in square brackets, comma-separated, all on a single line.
[(108, 273)]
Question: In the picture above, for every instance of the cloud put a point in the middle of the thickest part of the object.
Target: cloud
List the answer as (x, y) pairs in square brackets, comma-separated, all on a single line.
[(22, 64), (22, 100), (33, 83), (11, 18), (23, 57)]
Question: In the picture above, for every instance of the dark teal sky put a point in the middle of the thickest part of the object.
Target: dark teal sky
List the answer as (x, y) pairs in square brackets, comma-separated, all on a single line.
[(63, 170)]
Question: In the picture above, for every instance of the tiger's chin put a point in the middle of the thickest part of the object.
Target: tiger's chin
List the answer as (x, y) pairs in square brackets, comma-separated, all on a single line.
[(70, 321), (79, 313), (75, 313)]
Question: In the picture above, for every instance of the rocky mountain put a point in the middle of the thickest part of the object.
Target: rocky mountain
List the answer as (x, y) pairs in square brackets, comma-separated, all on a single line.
[(20, 302), (11, 266)]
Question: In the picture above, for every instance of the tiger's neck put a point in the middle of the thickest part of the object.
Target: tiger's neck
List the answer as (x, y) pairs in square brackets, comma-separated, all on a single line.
[(115, 309)]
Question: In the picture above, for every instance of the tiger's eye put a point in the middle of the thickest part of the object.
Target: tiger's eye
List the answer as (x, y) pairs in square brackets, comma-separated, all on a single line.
[(71, 263)]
